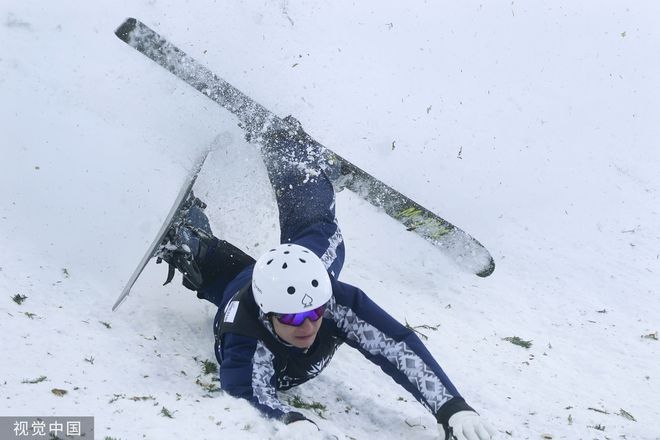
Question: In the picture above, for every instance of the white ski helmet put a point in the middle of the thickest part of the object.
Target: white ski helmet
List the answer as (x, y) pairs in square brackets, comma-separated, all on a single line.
[(290, 279)]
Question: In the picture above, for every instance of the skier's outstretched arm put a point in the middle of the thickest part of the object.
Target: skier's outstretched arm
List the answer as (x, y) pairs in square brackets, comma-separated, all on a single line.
[(398, 351)]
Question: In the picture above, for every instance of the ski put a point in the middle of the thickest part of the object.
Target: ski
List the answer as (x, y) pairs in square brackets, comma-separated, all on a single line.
[(256, 120), (175, 214)]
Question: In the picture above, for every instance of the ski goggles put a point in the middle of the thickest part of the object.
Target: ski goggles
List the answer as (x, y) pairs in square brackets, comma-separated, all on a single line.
[(296, 319)]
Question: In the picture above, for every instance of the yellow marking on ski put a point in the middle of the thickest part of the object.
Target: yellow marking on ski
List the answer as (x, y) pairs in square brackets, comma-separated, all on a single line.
[(417, 220)]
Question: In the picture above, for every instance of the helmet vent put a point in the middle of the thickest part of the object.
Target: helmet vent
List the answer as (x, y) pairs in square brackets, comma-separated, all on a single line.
[(291, 278)]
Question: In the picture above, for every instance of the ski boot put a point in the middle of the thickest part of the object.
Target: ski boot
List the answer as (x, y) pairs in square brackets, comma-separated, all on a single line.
[(186, 243), (288, 143)]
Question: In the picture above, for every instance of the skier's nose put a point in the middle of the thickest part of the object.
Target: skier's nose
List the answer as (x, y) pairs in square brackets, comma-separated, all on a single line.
[(307, 325)]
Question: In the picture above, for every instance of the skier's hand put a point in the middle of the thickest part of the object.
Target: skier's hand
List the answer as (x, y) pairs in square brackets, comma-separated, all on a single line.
[(466, 425)]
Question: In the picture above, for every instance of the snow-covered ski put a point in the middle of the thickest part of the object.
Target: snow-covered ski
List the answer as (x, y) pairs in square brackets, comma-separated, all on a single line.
[(466, 251), (174, 214)]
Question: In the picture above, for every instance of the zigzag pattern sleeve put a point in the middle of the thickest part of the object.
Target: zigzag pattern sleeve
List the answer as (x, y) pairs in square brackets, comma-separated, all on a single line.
[(390, 345), (247, 371), (326, 241)]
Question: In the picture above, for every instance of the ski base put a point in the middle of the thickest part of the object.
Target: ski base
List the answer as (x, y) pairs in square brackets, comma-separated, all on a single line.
[(172, 217)]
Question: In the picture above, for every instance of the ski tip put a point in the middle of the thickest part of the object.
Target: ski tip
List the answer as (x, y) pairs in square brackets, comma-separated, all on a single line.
[(124, 31), (488, 270), (117, 304)]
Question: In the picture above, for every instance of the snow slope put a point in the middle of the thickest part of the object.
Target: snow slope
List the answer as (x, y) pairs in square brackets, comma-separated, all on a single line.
[(533, 126)]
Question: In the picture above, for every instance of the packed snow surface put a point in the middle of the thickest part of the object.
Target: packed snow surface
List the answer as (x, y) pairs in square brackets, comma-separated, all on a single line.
[(531, 125)]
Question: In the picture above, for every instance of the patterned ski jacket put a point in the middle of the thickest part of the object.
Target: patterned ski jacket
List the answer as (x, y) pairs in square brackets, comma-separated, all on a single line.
[(255, 363)]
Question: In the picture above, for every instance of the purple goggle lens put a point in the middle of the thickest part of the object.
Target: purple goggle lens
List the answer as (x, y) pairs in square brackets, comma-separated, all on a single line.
[(296, 319)]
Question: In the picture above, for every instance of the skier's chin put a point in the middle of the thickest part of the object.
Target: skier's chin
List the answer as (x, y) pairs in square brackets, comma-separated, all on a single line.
[(303, 341)]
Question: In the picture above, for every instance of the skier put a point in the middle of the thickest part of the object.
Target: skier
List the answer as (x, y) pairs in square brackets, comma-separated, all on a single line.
[(281, 318)]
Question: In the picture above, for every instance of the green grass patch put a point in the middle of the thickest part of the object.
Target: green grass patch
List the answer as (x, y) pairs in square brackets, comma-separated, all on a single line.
[(18, 298), (317, 407), (515, 340), (209, 367)]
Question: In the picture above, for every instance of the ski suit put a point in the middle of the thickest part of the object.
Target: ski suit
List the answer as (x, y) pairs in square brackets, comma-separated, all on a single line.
[(254, 362)]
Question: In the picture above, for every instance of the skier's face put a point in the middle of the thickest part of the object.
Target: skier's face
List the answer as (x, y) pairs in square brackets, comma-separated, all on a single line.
[(302, 336)]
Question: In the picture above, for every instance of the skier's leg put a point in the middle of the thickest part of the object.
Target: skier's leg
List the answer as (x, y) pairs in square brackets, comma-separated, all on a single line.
[(221, 264), (305, 196)]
